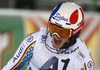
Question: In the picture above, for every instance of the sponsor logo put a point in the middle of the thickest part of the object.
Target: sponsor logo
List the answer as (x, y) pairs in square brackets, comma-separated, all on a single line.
[(67, 52), (74, 32), (79, 24), (81, 55), (79, 28), (90, 64), (30, 38), (58, 17), (43, 38), (18, 54)]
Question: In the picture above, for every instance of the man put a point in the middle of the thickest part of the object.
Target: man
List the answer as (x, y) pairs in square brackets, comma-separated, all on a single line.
[(56, 47)]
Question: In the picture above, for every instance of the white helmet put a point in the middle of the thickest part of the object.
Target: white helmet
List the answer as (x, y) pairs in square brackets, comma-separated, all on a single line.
[(67, 15)]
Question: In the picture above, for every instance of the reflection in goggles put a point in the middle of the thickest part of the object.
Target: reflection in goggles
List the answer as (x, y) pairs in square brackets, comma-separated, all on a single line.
[(63, 32)]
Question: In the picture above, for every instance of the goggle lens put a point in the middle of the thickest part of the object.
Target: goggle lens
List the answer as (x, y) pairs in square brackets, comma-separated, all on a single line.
[(63, 33)]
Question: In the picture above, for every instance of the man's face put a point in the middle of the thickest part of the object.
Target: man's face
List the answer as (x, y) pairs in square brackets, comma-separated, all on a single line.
[(58, 42)]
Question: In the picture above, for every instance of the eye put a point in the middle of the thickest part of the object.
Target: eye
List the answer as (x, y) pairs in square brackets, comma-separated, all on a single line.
[(74, 17)]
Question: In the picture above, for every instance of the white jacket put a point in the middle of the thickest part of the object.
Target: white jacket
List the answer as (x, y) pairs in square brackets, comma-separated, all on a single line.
[(41, 57)]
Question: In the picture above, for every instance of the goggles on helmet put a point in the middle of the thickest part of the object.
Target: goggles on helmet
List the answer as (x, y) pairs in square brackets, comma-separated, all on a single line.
[(63, 32)]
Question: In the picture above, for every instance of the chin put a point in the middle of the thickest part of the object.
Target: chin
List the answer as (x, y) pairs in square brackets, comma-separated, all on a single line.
[(57, 46)]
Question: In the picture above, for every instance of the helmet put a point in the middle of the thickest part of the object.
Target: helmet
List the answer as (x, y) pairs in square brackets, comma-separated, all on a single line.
[(66, 19)]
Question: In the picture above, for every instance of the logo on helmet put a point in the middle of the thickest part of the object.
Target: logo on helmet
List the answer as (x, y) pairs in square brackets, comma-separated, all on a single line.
[(58, 17)]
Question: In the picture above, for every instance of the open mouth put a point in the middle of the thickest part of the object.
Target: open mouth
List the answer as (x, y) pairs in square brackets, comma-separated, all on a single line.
[(57, 41)]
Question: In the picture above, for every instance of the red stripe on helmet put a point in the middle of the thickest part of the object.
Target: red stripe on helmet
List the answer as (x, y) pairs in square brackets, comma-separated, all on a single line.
[(78, 29), (82, 13)]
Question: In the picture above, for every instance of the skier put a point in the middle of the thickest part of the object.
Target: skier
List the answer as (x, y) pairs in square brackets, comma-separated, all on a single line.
[(57, 47)]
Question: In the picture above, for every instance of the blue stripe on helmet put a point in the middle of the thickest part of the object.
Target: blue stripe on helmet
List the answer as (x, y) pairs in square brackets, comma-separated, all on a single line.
[(55, 10)]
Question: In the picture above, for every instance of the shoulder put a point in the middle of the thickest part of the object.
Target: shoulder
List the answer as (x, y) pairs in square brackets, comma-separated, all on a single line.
[(83, 46), (83, 51), (36, 34), (84, 55)]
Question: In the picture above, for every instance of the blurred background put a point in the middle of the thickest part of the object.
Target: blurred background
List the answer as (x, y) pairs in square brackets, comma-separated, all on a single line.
[(21, 17)]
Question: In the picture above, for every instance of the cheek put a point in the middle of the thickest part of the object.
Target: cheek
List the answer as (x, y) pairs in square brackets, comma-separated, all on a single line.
[(65, 40)]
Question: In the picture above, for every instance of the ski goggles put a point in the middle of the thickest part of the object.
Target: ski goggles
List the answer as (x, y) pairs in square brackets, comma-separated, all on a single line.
[(63, 32)]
